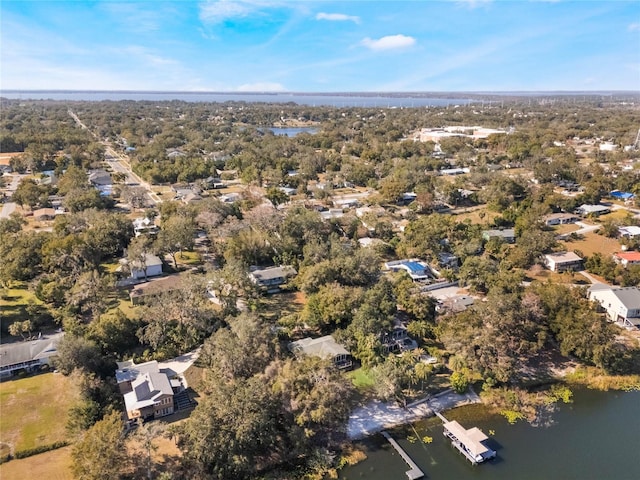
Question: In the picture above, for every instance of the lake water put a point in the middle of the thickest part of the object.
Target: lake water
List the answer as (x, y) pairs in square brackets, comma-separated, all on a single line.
[(595, 437), (292, 131), (332, 100)]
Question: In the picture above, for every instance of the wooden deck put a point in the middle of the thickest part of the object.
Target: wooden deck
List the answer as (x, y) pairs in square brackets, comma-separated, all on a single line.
[(415, 473)]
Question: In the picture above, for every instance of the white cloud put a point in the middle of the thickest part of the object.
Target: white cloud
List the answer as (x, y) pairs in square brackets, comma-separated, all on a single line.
[(337, 17), (473, 3), (217, 11), (634, 27), (390, 42), (261, 87)]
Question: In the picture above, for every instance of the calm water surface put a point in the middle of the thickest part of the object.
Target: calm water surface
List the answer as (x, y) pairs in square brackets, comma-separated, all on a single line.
[(595, 437), (301, 99)]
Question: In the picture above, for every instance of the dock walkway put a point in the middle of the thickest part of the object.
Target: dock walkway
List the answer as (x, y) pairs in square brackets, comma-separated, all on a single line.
[(415, 473)]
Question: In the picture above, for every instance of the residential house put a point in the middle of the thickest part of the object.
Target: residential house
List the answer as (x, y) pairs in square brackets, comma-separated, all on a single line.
[(563, 261), (397, 340), (332, 213), (324, 347), (152, 267), (191, 197), (560, 219), (622, 304), (455, 304), (31, 355), (230, 198), (143, 226), (44, 214), (507, 235), (629, 232), (627, 258), (214, 183), (593, 210), (417, 269), (148, 391), (270, 279), (154, 288), (624, 196)]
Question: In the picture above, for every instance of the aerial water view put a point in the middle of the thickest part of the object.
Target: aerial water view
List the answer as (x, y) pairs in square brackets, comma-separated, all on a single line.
[(319, 240)]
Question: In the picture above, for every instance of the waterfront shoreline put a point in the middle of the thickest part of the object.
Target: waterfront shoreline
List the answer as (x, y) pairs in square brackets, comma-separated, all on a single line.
[(376, 416)]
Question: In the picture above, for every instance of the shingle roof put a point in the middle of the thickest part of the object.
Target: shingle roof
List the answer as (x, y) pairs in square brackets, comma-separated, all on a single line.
[(323, 347), (14, 353)]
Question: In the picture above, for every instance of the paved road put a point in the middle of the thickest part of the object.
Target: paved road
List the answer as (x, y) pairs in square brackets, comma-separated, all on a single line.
[(7, 209), (120, 163)]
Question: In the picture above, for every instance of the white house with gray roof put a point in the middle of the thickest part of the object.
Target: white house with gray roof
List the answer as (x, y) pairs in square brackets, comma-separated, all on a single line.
[(272, 278), (148, 392), (622, 304), (324, 347), (28, 356)]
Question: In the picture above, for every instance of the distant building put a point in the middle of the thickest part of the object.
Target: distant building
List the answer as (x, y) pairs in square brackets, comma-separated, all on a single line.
[(43, 214), (563, 261), (272, 278), (29, 355), (594, 210), (324, 347), (629, 232), (627, 258), (417, 269), (560, 219), (507, 235), (154, 288), (152, 267), (144, 226)]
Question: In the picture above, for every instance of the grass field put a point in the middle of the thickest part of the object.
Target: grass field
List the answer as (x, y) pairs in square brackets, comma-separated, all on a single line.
[(34, 410), (592, 243), (53, 465), (13, 306)]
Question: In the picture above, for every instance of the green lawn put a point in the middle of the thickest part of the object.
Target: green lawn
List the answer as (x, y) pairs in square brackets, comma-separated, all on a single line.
[(34, 410), (362, 379), (13, 306)]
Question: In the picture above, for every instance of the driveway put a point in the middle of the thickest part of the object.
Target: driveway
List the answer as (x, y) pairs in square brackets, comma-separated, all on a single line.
[(7, 209), (180, 364)]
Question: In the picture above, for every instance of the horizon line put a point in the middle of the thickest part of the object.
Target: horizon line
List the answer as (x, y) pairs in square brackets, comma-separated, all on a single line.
[(303, 92)]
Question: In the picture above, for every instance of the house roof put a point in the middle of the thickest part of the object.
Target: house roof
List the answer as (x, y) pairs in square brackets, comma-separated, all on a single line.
[(632, 231), (155, 287), (43, 348), (42, 212), (506, 233), (593, 208), (628, 296), (323, 347), (129, 371), (150, 261), (560, 216), (628, 256), (273, 272), (471, 438), (147, 390), (563, 257)]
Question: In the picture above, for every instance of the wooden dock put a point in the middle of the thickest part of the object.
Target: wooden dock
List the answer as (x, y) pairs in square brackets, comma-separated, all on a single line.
[(415, 473)]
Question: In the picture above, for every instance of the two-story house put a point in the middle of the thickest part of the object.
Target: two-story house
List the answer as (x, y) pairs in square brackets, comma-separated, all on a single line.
[(622, 304)]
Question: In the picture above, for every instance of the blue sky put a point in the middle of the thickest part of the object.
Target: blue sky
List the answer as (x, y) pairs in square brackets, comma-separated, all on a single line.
[(320, 46)]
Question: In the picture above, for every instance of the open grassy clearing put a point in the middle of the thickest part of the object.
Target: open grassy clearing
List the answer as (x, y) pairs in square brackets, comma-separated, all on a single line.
[(53, 465), (278, 305), (13, 305), (617, 215), (593, 243), (34, 410), (477, 215)]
